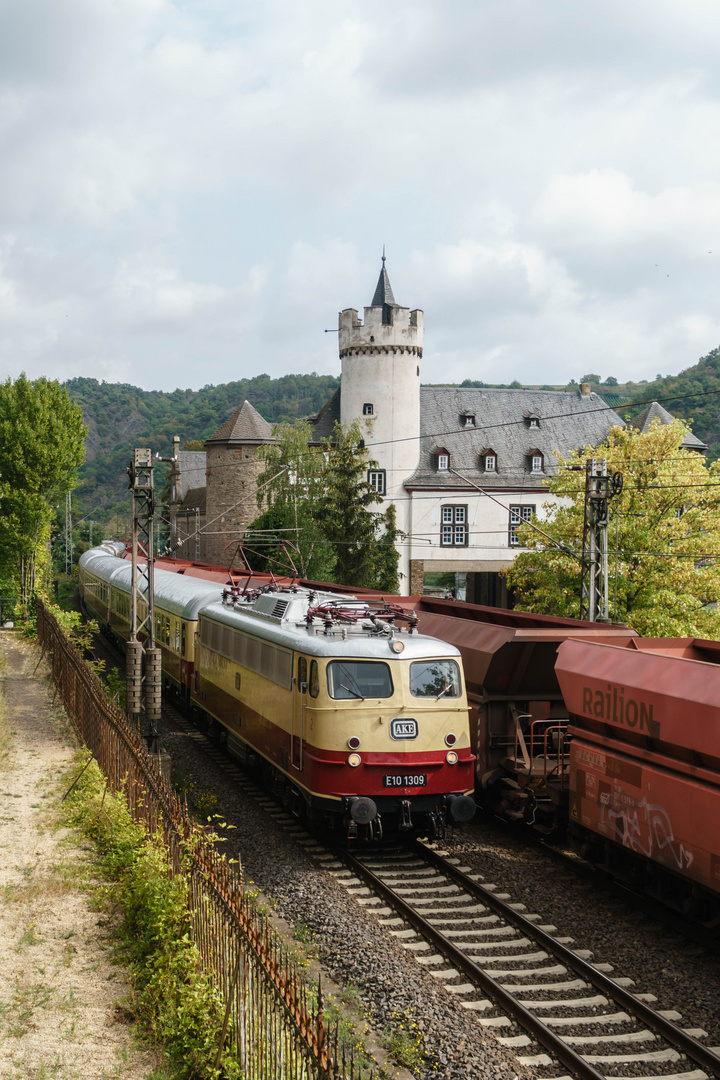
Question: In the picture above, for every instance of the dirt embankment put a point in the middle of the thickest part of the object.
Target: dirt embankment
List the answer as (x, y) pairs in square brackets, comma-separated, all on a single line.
[(61, 994)]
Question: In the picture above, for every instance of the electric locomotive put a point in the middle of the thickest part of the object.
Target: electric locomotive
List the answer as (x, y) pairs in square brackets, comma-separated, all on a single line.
[(355, 719)]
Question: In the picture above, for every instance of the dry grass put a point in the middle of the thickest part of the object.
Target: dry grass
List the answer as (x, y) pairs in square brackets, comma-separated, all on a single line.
[(5, 733)]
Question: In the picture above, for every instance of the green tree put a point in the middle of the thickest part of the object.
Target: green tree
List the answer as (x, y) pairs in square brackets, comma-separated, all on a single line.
[(665, 567), (41, 449), (318, 497), (289, 487), (343, 511), (388, 557)]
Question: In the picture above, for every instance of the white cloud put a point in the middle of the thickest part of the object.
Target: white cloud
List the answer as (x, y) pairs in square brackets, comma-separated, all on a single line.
[(194, 188)]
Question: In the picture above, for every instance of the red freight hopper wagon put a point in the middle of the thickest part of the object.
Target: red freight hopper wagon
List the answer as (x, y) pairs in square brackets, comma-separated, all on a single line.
[(644, 797), (517, 715)]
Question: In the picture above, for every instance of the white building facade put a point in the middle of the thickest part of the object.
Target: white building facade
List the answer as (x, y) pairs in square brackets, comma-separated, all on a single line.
[(463, 466)]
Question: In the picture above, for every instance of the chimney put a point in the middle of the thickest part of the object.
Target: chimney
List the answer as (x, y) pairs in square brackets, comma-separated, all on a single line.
[(585, 389)]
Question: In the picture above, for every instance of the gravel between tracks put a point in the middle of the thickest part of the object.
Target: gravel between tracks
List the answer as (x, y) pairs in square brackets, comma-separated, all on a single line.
[(355, 949)]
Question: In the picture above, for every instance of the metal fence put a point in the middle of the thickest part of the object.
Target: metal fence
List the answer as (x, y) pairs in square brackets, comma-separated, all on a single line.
[(274, 1026)]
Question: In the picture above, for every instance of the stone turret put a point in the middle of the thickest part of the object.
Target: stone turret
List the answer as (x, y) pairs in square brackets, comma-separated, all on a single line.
[(233, 466)]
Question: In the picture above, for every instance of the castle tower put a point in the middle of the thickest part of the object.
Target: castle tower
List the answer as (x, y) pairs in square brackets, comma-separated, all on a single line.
[(233, 466), (380, 388)]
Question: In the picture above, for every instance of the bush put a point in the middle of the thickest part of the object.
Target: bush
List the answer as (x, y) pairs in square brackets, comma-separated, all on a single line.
[(175, 1002)]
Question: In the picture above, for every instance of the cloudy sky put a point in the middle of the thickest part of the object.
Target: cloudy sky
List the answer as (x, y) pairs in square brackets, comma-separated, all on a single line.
[(190, 190)]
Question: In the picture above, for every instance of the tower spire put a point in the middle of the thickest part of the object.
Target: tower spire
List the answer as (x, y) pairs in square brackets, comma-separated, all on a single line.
[(383, 295)]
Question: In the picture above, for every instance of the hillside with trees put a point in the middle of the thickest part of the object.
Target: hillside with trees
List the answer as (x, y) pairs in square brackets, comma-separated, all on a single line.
[(120, 417), (693, 396)]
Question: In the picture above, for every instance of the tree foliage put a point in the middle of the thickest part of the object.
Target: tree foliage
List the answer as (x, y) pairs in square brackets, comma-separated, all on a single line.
[(693, 395), (664, 568), (121, 417), (41, 449), (319, 499), (289, 487)]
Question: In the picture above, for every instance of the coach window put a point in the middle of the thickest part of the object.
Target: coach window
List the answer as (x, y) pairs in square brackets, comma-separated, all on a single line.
[(182, 640), (314, 679), (302, 675)]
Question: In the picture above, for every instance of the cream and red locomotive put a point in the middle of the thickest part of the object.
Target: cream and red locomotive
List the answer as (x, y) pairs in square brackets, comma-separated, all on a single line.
[(353, 717)]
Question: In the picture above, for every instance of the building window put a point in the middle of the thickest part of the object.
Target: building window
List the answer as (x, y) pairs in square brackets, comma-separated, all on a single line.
[(490, 463), (376, 478), (536, 463), (443, 461), (518, 514), (467, 420), (368, 409), (454, 526)]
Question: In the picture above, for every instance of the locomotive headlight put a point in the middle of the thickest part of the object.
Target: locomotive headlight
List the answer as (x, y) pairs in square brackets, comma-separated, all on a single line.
[(354, 742), (451, 757), (450, 739), (354, 760), (397, 646)]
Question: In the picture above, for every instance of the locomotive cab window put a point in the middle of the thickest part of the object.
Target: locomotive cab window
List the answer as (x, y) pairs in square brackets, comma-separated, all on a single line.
[(359, 679), (434, 678)]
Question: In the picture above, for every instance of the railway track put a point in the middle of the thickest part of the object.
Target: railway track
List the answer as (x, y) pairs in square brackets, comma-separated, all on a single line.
[(532, 989), (561, 1013)]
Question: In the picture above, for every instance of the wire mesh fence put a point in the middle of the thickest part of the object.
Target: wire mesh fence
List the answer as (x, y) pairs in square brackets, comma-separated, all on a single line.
[(274, 1024)]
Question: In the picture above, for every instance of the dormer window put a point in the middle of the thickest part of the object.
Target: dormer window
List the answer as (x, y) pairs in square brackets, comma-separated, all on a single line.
[(532, 420), (368, 409), (443, 461), (467, 420), (490, 461), (536, 462)]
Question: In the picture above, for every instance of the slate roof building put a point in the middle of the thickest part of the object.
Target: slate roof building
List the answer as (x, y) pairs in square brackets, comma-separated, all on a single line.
[(463, 466), (655, 411), (187, 499)]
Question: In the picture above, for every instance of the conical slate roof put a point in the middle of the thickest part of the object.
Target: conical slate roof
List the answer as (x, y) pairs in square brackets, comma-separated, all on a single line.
[(655, 411), (383, 290), (245, 425)]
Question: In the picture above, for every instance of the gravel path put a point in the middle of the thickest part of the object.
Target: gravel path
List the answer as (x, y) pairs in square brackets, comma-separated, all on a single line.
[(58, 985)]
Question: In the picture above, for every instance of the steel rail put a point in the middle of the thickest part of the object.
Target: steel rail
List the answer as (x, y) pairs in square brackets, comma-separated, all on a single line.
[(670, 1031), (547, 1038)]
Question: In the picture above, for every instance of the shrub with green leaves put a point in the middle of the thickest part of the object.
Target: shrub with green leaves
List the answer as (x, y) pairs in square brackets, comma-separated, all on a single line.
[(174, 1000)]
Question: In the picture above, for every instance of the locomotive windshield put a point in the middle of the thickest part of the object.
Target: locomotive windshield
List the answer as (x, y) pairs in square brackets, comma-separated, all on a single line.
[(435, 678), (359, 679)]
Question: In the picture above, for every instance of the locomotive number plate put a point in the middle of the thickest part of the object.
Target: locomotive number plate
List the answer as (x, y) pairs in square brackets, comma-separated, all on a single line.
[(405, 780)]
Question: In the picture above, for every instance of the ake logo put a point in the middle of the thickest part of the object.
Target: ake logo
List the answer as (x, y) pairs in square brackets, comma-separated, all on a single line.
[(403, 729)]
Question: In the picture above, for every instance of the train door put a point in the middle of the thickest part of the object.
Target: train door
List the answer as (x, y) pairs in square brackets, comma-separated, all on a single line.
[(299, 710)]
